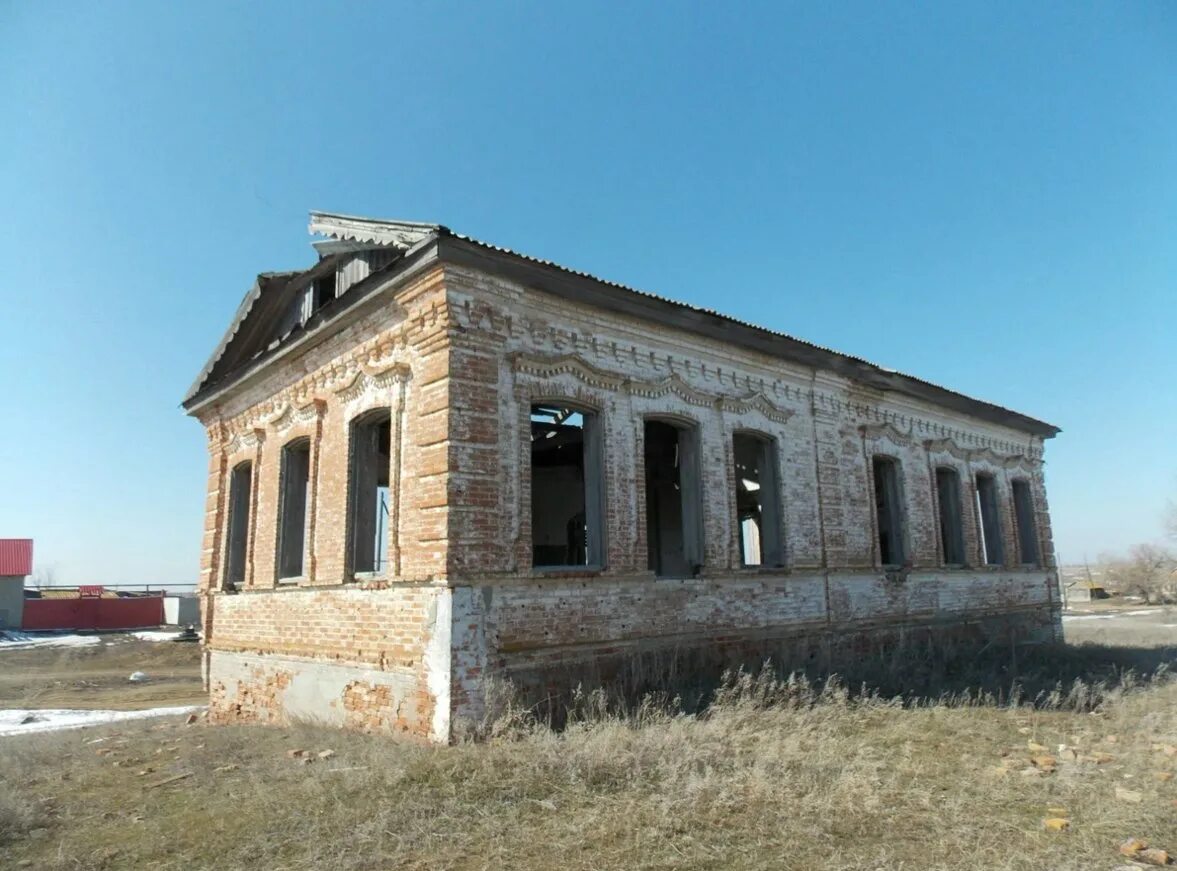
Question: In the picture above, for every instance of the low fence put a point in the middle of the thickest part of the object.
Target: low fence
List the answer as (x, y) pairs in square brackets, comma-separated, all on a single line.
[(93, 613)]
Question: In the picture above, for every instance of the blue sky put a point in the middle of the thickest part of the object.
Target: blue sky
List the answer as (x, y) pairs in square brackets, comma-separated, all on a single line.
[(982, 195)]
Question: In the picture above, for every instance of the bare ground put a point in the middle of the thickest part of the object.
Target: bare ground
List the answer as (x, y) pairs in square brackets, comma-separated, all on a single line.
[(95, 677), (774, 775)]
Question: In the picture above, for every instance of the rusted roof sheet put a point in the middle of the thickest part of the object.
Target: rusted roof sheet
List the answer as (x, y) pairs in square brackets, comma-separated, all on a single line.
[(16, 556)]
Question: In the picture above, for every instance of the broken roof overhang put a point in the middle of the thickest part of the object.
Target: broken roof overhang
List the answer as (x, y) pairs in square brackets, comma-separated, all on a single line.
[(351, 233), (369, 232)]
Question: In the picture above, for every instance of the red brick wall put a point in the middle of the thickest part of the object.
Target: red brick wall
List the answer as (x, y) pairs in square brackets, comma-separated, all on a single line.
[(457, 357)]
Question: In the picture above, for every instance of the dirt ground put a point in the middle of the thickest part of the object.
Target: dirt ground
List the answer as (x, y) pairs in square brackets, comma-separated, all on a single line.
[(1115, 622), (95, 677)]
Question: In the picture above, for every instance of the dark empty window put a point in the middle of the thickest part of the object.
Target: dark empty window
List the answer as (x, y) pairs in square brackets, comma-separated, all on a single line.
[(757, 500), (951, 528), (674, 527), (1027, 529), (292, 507), (240, 486), (565, 487), (992, 552), (320, 292), (324, 289), (889, 511), (368, 491)]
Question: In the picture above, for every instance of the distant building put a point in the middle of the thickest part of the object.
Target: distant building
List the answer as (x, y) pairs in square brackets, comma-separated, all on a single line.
[(16, 563), (434, 463)]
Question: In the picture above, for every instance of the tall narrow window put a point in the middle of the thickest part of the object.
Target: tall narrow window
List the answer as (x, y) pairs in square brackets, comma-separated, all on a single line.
[(889, 510), (757, 500), (992, 552), (240, 485), (292, 507), (1027, 529), (674, 525), (565, 487), (368, 492), (951, 529)]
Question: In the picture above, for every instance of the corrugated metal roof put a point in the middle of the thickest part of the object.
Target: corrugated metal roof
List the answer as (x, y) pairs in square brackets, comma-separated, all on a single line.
[(16, 556), (404, 234)]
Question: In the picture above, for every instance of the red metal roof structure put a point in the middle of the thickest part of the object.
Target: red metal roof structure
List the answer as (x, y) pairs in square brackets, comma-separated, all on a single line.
[(16, 556)]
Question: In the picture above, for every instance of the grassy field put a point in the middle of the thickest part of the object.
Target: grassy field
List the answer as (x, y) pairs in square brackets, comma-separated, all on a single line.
[(775, 775)]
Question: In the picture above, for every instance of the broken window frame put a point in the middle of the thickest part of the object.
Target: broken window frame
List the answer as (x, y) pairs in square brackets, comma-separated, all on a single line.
[(290, 470), (592, 428), (890, 514), (772, 550), (1025, 522), (989, 532), (237, 525), (950, 516), (690, 487), (359, 526)]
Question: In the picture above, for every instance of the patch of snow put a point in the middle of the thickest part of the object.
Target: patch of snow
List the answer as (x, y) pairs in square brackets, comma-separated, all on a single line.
[(157, 635), (24, 640), (21, 721), (1114, 614)]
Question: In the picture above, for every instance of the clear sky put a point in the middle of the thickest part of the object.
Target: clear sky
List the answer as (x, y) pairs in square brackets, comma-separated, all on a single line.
[(981, 195)]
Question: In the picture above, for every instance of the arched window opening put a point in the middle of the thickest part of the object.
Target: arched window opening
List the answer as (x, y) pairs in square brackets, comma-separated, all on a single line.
[(240, 487), (368, 508)]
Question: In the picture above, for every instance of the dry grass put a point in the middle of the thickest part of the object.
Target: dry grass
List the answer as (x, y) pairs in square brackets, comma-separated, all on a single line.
[(775, 774), (96, 677)]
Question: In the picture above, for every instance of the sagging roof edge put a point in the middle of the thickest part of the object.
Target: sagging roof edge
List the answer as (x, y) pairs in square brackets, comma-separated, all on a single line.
[(588, 289)]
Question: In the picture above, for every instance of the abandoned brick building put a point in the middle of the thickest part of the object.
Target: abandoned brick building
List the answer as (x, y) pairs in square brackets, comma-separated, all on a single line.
[(433, 462)]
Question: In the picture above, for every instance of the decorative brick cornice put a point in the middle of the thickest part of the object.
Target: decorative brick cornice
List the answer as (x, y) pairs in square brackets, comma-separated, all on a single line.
[(565, 364), (246, 440), (887, 432), (547, 340), (542, 367), (949, 446), (671, 385), (370, 378), (755, 402), (290, 415)]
